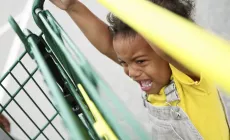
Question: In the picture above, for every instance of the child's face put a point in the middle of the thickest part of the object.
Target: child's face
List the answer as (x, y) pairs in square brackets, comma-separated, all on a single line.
[(141, 63)]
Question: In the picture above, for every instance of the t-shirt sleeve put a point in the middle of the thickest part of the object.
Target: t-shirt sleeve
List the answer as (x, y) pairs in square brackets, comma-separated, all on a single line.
[(185, 80)]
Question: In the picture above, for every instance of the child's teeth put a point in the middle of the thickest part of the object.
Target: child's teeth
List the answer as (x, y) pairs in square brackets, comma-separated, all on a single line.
[(146, 84)]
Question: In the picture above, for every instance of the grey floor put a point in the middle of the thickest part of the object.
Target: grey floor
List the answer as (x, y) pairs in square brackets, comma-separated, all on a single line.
[(210, 14)]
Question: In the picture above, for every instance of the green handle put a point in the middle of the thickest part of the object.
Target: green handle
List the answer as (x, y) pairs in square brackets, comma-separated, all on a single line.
[(20, 34), (38, 4)]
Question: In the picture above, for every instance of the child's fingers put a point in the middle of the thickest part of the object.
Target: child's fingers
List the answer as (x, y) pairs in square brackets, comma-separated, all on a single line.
[(5, 123), (62, 4)]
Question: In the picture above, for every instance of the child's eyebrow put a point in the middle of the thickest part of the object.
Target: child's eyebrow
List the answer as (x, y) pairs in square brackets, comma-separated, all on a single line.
[(138, 56)]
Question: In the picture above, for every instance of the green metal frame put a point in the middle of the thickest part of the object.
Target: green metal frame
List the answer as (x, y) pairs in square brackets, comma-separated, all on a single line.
[(63, 66)]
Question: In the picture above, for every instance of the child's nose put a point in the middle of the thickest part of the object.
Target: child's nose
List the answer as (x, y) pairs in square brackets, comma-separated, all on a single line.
[(133, 73)]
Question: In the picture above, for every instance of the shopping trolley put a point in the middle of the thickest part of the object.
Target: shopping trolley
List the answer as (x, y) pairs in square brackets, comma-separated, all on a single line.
[(87, 106)]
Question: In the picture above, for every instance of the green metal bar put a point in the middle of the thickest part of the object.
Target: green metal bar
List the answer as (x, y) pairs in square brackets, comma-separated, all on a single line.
[(12, 67), (36, 106), (74, 124), (19, 32), (77, 97), (46, 98), (85, 72), (39, 87), (106, 112), (55, 28), (7, 134), (46, 125), (78, 130), (17, 92), (85, 81), (69, 84), (85, 110), (23, 110), (64, 35), (59, 55), (16, 123), (57, 52), (106, 88)]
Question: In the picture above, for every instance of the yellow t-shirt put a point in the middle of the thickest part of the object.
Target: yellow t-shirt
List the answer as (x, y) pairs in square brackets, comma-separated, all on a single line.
[(200, 100)]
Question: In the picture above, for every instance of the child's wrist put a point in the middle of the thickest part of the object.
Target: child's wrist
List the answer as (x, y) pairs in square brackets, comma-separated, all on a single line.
[(75, 7)]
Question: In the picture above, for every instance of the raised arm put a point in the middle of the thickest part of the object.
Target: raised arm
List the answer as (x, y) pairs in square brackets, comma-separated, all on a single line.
[(96, 31)]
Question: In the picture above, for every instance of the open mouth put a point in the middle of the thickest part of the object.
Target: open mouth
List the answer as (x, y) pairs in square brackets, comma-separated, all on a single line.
[(146, 85)]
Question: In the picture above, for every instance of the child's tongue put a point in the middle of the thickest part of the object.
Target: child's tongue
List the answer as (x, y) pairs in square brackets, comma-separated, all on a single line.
[(146, 85)]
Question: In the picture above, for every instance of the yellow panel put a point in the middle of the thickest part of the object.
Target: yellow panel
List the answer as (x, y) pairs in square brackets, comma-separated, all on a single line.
[(192, 46)]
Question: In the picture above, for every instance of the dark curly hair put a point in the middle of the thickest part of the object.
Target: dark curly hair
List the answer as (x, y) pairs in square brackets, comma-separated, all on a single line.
[(182, 8)]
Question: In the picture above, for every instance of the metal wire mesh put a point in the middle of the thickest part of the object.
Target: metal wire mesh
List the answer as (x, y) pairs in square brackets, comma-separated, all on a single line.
[(28, 106), (63, 68)]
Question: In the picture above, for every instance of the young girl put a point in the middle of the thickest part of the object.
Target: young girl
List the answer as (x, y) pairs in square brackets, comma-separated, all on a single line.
[(181, 105)]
